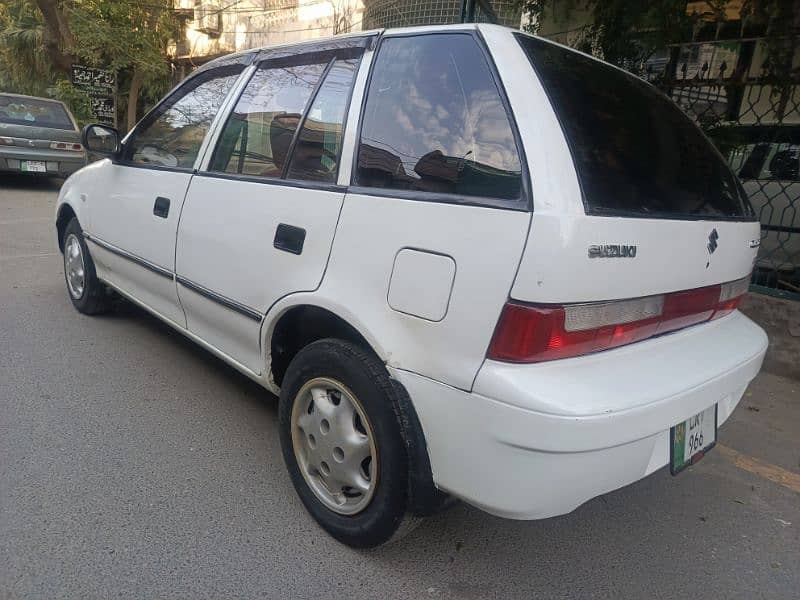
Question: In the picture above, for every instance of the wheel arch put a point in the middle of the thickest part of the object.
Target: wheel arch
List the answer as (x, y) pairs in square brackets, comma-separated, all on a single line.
[(298, 325), (65, 214)]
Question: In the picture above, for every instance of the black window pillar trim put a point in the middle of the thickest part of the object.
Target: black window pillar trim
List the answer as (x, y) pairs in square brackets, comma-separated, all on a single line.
[(524, 203)]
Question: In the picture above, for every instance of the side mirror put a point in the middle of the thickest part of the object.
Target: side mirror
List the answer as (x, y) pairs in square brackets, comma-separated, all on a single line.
[(101, 139)]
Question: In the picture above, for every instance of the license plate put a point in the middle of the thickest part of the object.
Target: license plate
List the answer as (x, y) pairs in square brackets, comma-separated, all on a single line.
[(690, 440), (34, 166)]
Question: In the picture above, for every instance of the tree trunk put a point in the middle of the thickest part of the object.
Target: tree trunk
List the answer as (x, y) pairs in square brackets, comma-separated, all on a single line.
[(133, 96), (57, 37), (138, 76)]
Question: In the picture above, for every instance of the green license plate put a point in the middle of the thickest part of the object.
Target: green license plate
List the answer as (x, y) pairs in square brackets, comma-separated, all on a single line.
[(689, 441)]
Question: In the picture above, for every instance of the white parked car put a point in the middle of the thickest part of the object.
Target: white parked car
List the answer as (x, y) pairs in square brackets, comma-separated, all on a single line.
[(473, 263)]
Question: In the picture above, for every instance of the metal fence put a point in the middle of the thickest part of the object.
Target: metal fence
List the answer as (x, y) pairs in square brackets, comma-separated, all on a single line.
[(750, 108)]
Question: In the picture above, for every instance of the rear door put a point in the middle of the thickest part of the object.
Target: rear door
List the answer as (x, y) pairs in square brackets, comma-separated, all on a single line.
[(655, 209), (260, 217), (137, 200)]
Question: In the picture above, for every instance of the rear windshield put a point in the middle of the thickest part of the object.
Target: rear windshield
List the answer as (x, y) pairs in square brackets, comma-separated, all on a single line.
[(34, 112), (636, 153)]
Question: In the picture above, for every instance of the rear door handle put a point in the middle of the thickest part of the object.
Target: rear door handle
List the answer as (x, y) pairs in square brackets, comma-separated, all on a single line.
[(161, 207), (289, 238)]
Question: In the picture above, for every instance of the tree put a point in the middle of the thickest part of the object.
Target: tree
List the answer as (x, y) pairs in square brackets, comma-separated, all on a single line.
[(130, 37), (56, 36), (622, 32)]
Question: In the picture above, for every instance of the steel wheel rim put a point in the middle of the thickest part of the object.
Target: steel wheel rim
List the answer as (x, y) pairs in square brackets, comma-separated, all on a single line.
[(74, 267), (334, 446)]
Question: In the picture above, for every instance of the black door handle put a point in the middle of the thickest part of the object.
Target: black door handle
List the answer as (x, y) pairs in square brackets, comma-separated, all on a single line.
[(289, 238), (161, 207)]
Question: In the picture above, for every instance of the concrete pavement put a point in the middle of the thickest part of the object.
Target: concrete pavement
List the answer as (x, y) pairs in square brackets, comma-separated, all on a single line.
[(134, 464)]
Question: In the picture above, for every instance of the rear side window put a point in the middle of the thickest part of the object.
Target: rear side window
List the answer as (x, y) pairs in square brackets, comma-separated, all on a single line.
[(316, 154), (634, 150), (434, 121), (258, 135), (18, 110)]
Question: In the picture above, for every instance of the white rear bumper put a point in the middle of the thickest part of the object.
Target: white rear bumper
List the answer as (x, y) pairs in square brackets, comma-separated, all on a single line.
[(535, 441)]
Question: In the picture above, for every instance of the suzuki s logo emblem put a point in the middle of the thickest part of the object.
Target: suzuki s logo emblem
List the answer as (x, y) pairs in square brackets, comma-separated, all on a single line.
[(31, 143), (712, 241)]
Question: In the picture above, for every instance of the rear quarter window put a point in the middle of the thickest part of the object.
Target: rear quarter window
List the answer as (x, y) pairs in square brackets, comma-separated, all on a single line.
[(434, 121), (635, 152)]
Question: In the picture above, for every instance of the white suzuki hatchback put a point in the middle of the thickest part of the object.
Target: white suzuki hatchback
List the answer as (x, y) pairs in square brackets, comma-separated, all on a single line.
[(473, 264)]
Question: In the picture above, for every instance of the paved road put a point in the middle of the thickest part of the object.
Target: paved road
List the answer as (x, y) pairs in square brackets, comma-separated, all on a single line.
[(133, 464)]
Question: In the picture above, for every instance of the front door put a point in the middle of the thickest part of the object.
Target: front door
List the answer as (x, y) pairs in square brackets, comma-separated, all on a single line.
[(259, 221), (137, 201)]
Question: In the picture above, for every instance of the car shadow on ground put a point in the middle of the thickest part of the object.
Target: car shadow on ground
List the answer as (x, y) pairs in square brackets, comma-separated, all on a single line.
[(21, 181), (124, 309)]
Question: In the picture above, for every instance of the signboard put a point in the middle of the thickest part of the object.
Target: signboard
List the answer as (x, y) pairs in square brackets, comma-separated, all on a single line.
[(101, 86), (103, 107)]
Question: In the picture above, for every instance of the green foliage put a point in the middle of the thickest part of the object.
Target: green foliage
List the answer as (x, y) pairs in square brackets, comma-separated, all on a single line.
[(125, 36), (76, 99), (23, 65)]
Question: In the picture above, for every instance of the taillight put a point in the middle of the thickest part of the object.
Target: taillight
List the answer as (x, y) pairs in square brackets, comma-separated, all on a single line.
[(530, 333), (730, 296), (65, 146), (7, 141)]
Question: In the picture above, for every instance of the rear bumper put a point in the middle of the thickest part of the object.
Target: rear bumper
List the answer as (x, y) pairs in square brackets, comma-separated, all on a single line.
[(58, 163), (535, 441)]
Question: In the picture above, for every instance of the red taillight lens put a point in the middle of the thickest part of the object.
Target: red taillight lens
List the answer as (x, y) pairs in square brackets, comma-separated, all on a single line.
[(682, 309), (66, 146), (527, 333)]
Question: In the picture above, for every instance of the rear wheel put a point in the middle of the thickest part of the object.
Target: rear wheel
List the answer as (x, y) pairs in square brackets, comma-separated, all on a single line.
[(85, 290), (342, 444)]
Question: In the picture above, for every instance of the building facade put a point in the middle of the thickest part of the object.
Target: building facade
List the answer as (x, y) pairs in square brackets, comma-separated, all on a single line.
[(216, 27), (405, 13)]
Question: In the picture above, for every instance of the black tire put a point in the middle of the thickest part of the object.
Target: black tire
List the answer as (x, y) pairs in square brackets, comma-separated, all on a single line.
[(95, 298), (384, 519)]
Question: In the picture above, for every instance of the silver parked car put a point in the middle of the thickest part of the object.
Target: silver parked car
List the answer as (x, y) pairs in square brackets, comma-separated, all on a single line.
[(38, 136)]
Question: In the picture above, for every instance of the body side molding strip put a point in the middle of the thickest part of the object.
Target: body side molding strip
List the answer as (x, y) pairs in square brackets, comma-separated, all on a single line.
[(214, 297), (131, 257), (248, 312)]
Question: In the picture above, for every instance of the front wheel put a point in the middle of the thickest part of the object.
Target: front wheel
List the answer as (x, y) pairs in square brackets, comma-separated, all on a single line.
[(342, 444), (85, 290)]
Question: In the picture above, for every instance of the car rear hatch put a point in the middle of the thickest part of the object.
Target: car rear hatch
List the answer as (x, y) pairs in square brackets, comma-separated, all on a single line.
[(665, 239)]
